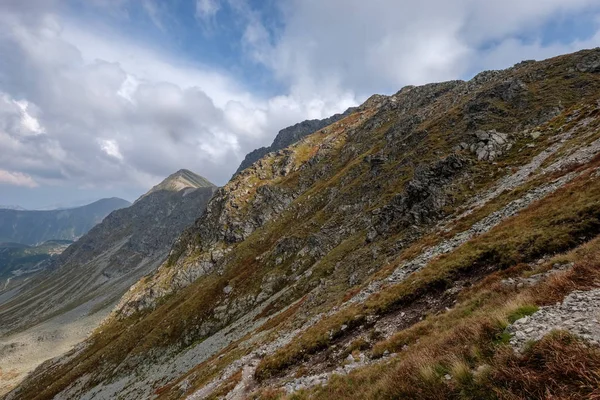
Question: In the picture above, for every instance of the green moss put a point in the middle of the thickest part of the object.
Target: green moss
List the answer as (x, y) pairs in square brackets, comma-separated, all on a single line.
[(522, 311)]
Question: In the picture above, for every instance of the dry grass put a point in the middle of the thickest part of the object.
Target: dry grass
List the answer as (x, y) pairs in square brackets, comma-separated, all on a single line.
[(226, 386), (558, 367), (555, 224), (469, 345)]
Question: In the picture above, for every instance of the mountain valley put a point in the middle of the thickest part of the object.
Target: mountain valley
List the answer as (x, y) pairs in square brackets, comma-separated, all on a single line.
[(69, 294)]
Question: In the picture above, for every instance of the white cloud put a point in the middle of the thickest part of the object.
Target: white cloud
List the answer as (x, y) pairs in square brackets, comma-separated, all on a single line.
[(111, 148), (515, 50), (29, 122), (207, 9), (16, 179), (114, 112), (379, 46), (145, 64), (83, 105)]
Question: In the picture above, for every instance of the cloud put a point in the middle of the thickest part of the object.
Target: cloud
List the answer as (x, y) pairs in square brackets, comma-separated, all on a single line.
[(383, 45), (111, 148), (90, 110), (207, 9), (83, 105), (16, 179)]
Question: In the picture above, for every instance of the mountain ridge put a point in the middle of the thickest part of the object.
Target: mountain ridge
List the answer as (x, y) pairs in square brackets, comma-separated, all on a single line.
[(394, 254), (291, 135)]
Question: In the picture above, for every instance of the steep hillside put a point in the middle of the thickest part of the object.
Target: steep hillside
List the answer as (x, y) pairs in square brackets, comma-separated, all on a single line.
[(88, 278), (405, 251), (289, 136), (35, 227)]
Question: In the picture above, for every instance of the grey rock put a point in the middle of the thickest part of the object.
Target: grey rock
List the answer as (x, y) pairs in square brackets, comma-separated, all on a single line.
[(575, 314)]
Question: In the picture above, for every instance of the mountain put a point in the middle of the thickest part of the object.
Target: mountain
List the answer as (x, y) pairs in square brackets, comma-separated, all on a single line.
[(438, 243), (33, 227), (180, 180), (77, 288), (11, 207), (291, 135)]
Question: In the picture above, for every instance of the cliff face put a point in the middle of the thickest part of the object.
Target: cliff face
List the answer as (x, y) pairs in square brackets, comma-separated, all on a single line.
[(404, 237)]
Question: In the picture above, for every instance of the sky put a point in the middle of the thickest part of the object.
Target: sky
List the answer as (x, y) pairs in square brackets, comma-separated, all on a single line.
[(103, 98)]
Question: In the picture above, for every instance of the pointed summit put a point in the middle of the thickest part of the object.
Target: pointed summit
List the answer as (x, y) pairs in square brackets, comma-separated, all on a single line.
[(180, 180)]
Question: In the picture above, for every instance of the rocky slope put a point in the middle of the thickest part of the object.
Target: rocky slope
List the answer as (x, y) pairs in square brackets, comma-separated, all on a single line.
[(35, 227), (289, 136), (87, 279), (388, 255)]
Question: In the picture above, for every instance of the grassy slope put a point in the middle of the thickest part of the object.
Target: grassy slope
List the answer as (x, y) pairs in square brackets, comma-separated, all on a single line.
[(469, 344), (554, 224)]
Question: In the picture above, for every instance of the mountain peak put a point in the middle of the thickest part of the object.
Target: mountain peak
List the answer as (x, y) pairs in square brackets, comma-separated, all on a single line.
[(180, 180)]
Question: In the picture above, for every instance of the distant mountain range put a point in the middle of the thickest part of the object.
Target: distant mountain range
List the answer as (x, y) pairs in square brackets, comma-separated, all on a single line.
[(11, 207), (35, 227), (95, 271)]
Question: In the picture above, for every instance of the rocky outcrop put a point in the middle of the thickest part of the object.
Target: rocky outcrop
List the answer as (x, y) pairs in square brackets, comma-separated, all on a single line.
[(289, 136), (487, 146), (589, 63), (578, 314), (423, 198)]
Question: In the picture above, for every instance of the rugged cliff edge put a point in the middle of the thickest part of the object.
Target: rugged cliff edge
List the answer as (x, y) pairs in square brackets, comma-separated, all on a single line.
[(404, 251), (289, 136)]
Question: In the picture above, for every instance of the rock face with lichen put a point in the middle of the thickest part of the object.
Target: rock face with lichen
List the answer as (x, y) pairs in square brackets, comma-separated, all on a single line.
[(320, 258), (487, 146)]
